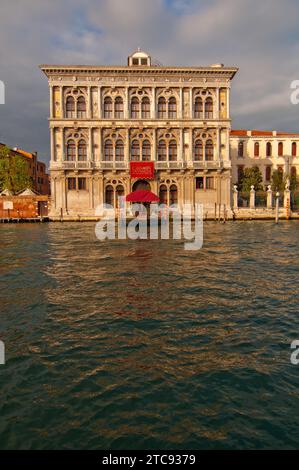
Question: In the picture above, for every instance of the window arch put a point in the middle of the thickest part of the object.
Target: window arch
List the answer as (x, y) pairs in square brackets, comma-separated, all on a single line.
[(256, 149), (173, 151), (198, 108), (209, 151), (280, 149), (209, 108), (198, 150), (82, 151), (146, 151), (109, 195), (119, 151), (119, 107), (71, 151), (135, 108), (172, 108), (269, 149), (145, 108), (70, 107), (173, 194), (108, 151), (162, 151), (108, 107), (162, 107), (135, 151), (294, 149), (163, 194), (81, 107), (241, 149)]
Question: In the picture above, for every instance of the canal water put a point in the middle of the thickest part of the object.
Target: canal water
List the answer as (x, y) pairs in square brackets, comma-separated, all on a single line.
[(143, 345)]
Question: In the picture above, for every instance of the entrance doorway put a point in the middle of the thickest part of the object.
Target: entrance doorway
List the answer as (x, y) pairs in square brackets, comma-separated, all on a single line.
[(141, 184)]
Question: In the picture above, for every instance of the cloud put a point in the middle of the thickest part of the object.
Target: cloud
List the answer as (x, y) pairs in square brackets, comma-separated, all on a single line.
[(261, 38)]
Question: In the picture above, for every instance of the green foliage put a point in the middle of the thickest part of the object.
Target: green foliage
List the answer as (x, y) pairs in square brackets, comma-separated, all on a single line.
[(14, 174), (278, 181), (251, 177)]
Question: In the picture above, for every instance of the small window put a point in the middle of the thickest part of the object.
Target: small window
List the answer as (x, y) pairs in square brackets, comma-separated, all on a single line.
[(71, 151), (209, 108), (268, 173), (280, 149), (172, 108), (294, 149), (198, 151), (70, 107), (162, 108), (145, 108), (269, 149), (119, 151), (82, 184), (71, 183), (108, 153), (146, 151), (82, 151), (199, 182), (162, 155), (143, 61), (209, 151), (135, 151), (108, 108), (173, 151), (135, 108), (81, 107), (198, 108), (135, 62), (256, 149), (241, 149), (119, 108)]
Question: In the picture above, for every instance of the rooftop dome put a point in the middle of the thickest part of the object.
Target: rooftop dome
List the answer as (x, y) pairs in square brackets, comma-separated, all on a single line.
[(139, 58)]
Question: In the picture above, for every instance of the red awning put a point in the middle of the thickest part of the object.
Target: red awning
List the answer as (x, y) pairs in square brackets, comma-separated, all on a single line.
[(142, 195)]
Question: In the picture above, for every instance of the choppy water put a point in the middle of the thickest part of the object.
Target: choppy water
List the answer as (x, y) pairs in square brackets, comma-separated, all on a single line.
[(141, 344)]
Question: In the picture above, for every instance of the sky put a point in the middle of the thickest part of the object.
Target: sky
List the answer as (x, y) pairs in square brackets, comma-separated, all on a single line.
[(259, 37)]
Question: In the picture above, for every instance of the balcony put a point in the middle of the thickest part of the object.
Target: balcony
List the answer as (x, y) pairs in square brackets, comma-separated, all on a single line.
[(170, 165)]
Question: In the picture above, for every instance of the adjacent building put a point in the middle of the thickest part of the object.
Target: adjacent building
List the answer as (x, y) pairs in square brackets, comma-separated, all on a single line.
[(36, 169), (116, 129), (267, 150)]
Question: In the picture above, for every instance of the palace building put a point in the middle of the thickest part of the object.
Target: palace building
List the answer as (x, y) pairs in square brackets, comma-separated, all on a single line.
[(117, 129)]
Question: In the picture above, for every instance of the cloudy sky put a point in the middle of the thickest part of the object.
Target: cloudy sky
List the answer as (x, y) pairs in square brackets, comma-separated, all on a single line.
[(260, 37)]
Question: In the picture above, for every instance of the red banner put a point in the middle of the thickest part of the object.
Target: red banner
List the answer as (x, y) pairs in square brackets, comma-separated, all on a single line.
[(145, 170)]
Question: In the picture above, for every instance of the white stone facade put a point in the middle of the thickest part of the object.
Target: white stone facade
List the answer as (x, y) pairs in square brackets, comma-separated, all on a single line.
[(101, 118)]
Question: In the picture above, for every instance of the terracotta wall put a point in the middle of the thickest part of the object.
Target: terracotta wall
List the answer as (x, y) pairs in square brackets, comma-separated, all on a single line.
[(23, 207)]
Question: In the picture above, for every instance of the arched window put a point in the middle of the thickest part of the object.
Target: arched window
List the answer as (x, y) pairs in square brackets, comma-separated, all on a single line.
[(293, 172), (135, 151), (119, 193), (162, 157), (109, 196), (269, 149), (256, 149), (209, 151), (163, 194), (198, 150), (119, 151), (280, 149), (280, 169), (209, 108), (162, 107), (268, 173), (198, 108), (146, 151), (145, 108), (119, 108), (81, 107), (108, 108), (108, 153), (71, 151), (135, 108), (173, 194), (82, 151), (172, 108), (241, 149), (173, 151), (294, 149), (70, 107)]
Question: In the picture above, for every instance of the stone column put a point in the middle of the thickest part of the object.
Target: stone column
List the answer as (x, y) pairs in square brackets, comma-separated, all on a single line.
[(61, 102), (62, 155), (218, 103), (100, 102), (127, 147), (153, 106), (126, 104), (191, 103), (154, 150), (235, 197), (181, 153), (269, 197), (53, 155), (181, 104), (89, 110), (252, 198), (51, 102), (90, 147)]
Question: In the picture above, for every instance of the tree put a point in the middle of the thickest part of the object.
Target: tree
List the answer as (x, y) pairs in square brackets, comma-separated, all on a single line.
[(251, 177), (14, 174), (278, 181)]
